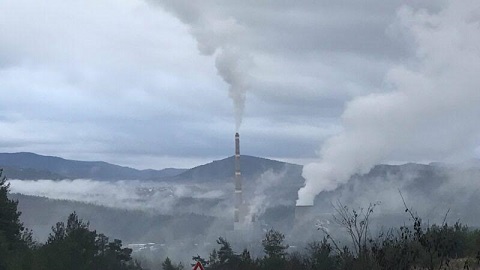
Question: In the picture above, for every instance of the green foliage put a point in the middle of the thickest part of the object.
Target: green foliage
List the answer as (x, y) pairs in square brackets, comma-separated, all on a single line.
[(168, 265), (274, 249), (74, 246), (246, 261), (225, 253), (10, 226), (15, 241), (273, 244), (225, 258), (199, 259), (414, 246), (295, 261), (320, 256), (441, 244)]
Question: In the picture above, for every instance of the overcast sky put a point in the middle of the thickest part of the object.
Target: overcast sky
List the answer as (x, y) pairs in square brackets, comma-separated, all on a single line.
[(146, 83)]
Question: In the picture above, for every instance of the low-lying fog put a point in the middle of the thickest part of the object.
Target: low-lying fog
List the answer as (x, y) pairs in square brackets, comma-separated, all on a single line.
[(430, 189), (181, 215), (157, 197)]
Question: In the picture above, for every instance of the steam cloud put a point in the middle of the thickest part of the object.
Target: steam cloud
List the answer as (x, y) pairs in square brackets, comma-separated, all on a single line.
[(262, 199), (429, 112), (219, 36)]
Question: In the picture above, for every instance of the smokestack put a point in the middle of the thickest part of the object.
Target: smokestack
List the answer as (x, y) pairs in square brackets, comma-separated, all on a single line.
[(237, 145), (238, 182)]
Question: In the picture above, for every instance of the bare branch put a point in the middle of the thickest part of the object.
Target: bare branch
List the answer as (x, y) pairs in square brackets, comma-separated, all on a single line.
[(445, 218), (355, 222), (406, 207)]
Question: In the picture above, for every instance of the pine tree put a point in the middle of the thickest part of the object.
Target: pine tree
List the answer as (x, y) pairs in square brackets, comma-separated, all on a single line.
[(275, 250), (72, 245), (167, 264), (11, 229), (198, 258), (273, 244), (10, 226), (225, 253)]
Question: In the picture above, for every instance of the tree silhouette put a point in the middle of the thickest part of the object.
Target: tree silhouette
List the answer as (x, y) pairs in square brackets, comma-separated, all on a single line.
[(168, 265), (14, 251), (10, 226), (75, 246), (274, 249), (273, 244)]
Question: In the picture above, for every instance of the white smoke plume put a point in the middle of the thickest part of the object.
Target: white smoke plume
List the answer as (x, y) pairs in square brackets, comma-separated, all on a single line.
[(233, 66), (430, 110), (219, 36), (263, 199)]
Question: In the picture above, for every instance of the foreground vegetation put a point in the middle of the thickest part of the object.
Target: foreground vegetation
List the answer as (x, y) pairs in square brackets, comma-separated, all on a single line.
[(436, 247), (73, 245), (417, 246)]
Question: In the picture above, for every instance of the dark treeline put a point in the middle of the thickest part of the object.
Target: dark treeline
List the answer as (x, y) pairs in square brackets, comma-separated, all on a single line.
[(73, 245)]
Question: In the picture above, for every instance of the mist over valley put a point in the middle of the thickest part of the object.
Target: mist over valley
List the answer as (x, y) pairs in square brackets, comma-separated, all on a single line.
[(187, 212)]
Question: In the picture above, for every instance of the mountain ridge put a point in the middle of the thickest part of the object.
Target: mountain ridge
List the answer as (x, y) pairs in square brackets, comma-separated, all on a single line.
[(61, 168), (251, 167), (32, 166)]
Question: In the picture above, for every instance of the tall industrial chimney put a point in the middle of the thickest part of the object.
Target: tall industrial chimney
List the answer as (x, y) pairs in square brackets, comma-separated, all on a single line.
[(238, 183)]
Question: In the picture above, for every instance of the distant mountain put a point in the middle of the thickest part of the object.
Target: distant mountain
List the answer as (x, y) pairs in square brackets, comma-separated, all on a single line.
[(251, 168), (33, 166), (30, 174)]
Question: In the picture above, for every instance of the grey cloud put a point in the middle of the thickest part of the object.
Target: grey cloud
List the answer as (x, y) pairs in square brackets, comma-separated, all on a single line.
[(116, 79)]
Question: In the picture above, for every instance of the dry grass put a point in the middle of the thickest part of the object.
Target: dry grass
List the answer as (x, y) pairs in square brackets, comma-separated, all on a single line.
[(460, 264)]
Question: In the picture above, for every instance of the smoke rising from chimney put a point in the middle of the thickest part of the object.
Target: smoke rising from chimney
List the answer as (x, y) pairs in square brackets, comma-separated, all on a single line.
[(232, 67), (218, 36), (431, 113)]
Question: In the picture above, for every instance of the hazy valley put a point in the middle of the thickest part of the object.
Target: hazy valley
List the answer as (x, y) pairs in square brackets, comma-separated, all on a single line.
[(186, 210)]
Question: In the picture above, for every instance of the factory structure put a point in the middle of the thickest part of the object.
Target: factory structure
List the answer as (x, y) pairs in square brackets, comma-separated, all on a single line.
[(241, 208), (245, 222)]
